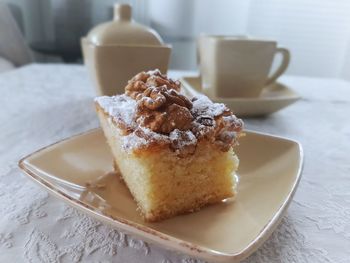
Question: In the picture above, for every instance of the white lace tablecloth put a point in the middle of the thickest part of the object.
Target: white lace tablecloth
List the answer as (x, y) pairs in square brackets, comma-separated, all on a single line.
[(41, 104)]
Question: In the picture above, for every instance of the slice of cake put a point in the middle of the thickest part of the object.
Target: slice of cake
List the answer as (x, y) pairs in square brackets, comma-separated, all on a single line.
[(173, 152)]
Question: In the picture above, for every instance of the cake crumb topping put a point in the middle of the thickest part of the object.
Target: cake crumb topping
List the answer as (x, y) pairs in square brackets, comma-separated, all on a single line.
[(154, 112)]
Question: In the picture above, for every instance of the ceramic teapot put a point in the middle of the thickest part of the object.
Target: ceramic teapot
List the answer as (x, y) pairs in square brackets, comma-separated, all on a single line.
[(116, 51)]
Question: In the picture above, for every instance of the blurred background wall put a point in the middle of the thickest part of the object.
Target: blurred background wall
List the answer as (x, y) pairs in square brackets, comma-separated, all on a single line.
[(316, 31)]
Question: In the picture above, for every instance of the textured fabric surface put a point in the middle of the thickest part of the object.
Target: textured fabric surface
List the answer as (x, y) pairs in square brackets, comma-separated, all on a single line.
[(45, 103)]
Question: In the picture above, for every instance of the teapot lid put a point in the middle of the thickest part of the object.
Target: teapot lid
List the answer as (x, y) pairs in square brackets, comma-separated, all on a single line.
[(123, 31)]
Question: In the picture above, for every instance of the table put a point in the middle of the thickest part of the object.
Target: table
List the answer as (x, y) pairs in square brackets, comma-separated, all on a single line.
[(41, 104)]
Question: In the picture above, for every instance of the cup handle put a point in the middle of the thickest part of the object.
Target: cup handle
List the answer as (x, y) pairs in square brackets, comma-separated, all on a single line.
[(282, 68)]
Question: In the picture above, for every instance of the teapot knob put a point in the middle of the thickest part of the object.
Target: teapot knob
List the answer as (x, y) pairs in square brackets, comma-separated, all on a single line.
[(122, 12)]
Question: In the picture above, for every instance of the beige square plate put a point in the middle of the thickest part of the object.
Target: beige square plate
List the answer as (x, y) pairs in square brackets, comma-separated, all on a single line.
[(78, 170), (273, 98)]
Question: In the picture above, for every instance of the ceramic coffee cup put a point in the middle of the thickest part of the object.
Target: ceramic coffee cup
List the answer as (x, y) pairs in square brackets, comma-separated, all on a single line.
[(238, 66)]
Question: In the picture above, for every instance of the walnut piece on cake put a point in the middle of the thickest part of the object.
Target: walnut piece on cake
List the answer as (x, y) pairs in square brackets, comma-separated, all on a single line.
[(161, 139)]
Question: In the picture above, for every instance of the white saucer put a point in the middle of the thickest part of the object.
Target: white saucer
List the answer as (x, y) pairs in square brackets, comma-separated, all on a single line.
[(273, 98)]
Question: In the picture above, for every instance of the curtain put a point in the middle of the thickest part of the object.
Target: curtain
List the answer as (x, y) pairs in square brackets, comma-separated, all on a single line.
[(317, 32)]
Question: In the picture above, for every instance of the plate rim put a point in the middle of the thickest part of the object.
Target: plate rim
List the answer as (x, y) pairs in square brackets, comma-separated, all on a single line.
[(293, 98), (156, 236)]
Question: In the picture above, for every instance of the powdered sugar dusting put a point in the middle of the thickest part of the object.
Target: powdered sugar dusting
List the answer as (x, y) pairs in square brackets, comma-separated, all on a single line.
[(120, 107), (153, 72), (184, 143), (143, 137), (132, 141), (183, 138), (204, 106)]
